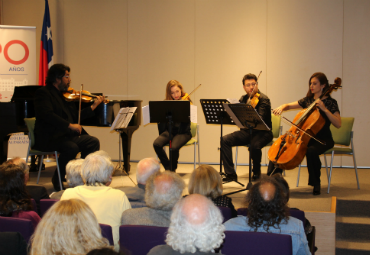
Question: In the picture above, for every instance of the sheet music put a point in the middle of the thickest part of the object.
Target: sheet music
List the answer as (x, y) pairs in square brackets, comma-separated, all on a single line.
[(233, 100), (193, 113), (123, 118), (146, 114)]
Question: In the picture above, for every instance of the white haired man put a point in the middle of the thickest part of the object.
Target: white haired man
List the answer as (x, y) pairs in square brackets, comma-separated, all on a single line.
[(73, 176), (107, 203), (145, 168), (162, 191), (35, 191), (196, 228)]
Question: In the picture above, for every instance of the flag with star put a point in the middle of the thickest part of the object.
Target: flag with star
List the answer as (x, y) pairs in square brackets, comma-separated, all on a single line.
[(46, 47)]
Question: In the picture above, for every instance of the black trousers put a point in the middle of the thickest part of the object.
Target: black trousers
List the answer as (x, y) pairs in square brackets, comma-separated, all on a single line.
[(178, 141), (240, 138), (314, 150), (69, 149)]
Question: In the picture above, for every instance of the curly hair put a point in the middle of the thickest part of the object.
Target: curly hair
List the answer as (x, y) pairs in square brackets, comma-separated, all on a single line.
[(13, 194), (266, 212), (56, 71), (68, 227), (187, 233), (205, 180)]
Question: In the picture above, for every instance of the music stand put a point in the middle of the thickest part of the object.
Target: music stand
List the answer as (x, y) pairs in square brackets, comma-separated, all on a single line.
[(169, 111), (215, 113), (245, 116)]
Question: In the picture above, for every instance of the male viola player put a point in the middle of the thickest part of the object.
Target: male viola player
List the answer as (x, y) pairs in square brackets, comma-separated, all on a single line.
[(56, 125), (242, 137)]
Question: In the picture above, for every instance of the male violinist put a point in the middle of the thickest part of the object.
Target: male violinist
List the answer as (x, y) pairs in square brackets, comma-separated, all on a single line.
[(55, 127), (259, 139)]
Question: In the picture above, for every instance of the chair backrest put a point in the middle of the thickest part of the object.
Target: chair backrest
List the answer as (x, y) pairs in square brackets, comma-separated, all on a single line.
[(30, 122), (298, 214), (23, 226), (256, 243), (12, 243), (193, 129), (106, 231), (34, 205), (226, 213), (276, 121), (342, 135), (45, 204), (132, 236)]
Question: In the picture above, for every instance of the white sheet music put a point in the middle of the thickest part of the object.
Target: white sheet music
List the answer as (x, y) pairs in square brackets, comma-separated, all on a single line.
[(146, 115), (123, 118), (193, 113)]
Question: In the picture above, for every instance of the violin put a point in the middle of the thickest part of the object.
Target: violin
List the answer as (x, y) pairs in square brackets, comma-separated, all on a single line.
[(186, 96), (288, 151), (74, 95), (253, 100)]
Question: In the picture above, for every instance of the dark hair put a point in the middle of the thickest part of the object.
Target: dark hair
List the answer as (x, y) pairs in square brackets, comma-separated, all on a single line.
[(55, 72), (249, 76), (13, 195), (323, 81), (105, 251), (283, 184), (266, 213)]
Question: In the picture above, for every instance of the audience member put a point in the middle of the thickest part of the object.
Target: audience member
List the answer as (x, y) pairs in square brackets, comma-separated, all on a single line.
[(107, 203), (35, 191), (205, 180), (145, 168), (196, 228), (73, 176), (14, 200), (162, 191), (68, 227), (268, 212)]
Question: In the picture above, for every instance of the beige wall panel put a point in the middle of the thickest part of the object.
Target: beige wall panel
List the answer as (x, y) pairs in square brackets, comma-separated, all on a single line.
[(95, 47), (160, 48), (356, 59), (230, 42), (303, 37)]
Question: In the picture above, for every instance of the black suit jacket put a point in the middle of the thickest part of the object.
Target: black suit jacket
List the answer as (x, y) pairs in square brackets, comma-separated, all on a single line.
[(53, 116), (37, 192)]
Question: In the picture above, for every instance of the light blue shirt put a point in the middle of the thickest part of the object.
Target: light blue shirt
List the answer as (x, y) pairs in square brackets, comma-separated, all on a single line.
[(294, 228)]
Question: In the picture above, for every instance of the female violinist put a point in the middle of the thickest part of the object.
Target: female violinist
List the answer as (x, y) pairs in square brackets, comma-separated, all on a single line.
[(328, 107), (180, 131)]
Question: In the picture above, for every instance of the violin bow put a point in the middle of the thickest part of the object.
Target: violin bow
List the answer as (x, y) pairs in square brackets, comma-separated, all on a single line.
[(194, 90), (79, 105)]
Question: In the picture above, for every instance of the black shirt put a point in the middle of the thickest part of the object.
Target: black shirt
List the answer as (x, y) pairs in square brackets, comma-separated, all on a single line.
[(263, 107)]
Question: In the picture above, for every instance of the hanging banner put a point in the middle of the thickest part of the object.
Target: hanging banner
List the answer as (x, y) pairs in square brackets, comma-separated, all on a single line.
[(17, 59)]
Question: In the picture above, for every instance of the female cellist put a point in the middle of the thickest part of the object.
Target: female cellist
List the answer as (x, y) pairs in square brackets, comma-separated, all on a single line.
[(180, 131), (328, 106)]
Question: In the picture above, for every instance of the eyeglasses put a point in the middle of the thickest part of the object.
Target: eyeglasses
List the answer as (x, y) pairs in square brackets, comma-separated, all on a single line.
[(66, 76), (250, 84)]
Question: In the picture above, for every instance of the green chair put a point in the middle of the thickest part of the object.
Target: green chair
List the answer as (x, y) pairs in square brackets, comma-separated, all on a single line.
[(276, 132), (342, 136), (194, 129), (30, 122)]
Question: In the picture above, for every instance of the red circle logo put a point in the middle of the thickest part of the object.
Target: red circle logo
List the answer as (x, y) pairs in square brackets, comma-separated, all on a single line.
[(14, 62)]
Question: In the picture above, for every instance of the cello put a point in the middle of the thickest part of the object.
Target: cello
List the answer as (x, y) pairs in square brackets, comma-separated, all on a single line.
[(288, 151)]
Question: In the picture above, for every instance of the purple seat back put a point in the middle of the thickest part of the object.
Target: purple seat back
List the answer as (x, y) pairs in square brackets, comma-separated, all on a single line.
[(226, 213), (45, 204), (256, 243), (140, 239), (106, 231), (34, 205), (293, 212), (23, 226)]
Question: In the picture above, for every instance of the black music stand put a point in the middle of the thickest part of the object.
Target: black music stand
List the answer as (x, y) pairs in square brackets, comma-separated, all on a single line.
[(245, 116), (215, 113), (169, 111)]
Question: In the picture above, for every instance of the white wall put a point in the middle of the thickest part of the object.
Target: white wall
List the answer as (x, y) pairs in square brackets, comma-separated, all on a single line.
[(130, 50)]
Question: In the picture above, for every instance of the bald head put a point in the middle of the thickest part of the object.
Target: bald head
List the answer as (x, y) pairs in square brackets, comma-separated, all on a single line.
[(267, 191), (195, 209), (145, 168)]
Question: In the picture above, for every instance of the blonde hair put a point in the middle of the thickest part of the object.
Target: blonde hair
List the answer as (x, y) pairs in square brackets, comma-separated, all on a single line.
[(170, 84), (205, 180), (68, 227)]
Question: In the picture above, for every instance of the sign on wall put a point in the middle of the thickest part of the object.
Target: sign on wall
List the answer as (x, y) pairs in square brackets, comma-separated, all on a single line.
[(17, 59)]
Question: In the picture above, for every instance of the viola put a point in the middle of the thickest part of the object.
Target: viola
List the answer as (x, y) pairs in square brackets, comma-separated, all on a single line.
[(253, 100), (74, 95), (288, 151)]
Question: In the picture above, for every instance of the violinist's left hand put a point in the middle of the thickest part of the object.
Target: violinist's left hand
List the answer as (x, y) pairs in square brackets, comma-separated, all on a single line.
[(97, 101), (321, 105)]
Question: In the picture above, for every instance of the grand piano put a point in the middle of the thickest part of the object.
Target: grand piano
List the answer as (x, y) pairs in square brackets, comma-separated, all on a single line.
[(21, 106)]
